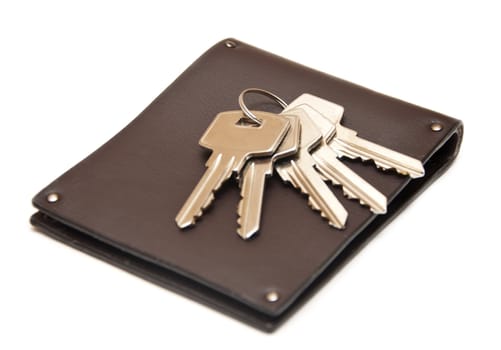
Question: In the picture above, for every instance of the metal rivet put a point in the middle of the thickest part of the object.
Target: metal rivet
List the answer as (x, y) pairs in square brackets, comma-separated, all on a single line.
[(272, 296), (436, 126), (52, 197), (230, 44)]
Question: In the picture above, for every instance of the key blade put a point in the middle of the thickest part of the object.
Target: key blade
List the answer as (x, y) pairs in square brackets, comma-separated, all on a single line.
[(252, 190), (219, 169), (354, 147), (353, 185), (347, 143), (336, 172), (253, 178), (301, 175)]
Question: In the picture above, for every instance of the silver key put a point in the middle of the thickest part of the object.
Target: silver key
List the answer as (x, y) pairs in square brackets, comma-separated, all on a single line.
[(336, 172), (301, 174), (232, 144), (253, 179), (347, 143)]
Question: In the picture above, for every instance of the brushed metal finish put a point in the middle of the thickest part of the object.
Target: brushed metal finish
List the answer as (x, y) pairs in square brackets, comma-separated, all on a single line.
[(232, 144), (328, 164), (347, 143), (330, 110), (354, 186), (253, 180), (301, 174)]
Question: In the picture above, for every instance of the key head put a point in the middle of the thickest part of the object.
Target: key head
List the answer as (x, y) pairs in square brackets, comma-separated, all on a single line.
[(326, 127), (290, 143), (328, 109), (227, 135), (310, 134)]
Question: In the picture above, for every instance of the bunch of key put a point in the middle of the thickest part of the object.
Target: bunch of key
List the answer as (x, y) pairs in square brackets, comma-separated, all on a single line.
[(303, 144)]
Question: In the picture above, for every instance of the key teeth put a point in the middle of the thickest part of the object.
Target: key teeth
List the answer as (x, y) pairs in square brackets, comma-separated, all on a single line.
[(383, 167), (239, 219), (199, 213), (247, 234), (239, 214), (347, 193), (378, 212), (332, 181), (313, 205), (209, 200), (350, 195), (295, 185), (380, 166), (352, 156), (239, 208), (342, 153), (339, 227), (196, 216)]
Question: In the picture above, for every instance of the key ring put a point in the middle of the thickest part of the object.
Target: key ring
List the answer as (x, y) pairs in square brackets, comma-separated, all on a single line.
[(263, 92)]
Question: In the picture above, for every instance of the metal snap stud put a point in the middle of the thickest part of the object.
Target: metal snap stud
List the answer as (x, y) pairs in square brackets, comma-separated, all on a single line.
[(52, 197), (436, 126), (230, 44), (272, 296)]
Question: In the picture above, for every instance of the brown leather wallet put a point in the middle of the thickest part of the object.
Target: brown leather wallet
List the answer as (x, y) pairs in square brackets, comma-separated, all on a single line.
[(119, 203)]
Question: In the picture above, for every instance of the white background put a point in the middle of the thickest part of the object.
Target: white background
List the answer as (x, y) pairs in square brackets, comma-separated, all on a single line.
[(72, 75)]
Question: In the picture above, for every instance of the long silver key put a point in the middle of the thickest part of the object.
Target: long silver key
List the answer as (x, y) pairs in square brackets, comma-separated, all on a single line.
[(232, 144), (253, 178), (301, 174), (347, 143), (336, 172)]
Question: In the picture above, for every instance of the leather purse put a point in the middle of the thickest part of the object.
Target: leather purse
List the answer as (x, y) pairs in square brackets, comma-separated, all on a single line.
[(119, 203)]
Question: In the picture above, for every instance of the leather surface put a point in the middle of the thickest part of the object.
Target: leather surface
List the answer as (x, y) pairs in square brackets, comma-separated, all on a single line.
[(124, 197)]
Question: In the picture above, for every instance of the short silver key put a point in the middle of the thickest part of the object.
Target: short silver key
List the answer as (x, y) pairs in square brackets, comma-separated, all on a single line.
[(253, 179), (336, 172), (347, 143), (232, 144), (301, 174)]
